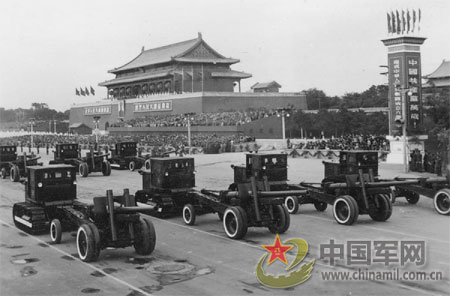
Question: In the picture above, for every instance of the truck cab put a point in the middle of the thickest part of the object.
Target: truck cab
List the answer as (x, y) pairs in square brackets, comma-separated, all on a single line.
[(174, 173), (273, 166), (350, 162), (51, 185), (65, 151), (125, 149)]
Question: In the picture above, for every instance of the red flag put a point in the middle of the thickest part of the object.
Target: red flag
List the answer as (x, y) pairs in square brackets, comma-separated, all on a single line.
[(82, 91), (92, 91), (86, 91), (77, 92), (394, 26), (408, 21)]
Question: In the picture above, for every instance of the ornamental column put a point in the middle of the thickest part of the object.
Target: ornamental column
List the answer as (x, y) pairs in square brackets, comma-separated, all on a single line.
[(405, 85)]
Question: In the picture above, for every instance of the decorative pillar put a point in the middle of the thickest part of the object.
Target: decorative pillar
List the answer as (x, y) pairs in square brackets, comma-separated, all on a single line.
[(405, 87)]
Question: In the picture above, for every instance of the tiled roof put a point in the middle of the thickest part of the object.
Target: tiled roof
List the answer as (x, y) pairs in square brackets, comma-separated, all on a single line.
[(231, 74), (437, 83), (134, 78), (171, 52), (442, 71), (266, 85)]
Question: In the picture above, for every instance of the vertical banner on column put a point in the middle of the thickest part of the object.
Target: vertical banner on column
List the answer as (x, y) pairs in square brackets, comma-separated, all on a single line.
[(395, 81), (414, 97)]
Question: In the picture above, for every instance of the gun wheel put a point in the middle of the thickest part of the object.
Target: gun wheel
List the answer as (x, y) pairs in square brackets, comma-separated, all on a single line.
[(87, 247), (282, 220), (106, 168), (320, 206), (381, 209), (345, 210), (441, 201), (189, 214), (291, 204), (15, 173), (145, 236), (132, 166), (235, 222), (55, 231), (147, 165), (83, 169)]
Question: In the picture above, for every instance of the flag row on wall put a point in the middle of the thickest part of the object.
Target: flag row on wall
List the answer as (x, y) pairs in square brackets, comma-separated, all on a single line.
[(84, 92)]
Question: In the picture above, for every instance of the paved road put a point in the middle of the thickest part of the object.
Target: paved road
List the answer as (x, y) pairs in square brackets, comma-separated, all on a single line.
[(201, 260)]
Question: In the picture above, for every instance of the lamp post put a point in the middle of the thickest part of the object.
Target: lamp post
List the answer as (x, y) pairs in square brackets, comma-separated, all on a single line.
[(188, 118), (54, 124), (96, 121), (32, 123), (283, 112)]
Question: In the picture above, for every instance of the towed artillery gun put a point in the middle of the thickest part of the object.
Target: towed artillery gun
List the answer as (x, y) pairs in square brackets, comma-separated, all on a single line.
[(125, 155), (13, 165), (169, 188), (351, 187), (436, 188), (93, 162), (166, 182), (272, 168), (111, 221)]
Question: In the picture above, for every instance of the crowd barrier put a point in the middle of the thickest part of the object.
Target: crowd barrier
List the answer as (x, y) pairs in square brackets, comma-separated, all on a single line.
[(326, 154)]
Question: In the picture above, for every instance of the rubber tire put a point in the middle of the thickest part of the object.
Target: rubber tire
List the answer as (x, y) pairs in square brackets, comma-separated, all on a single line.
[(291, 204), (237, 216), (3, 172), (86, 244), (147, 165), (352, 207), (146, 242), (384, 211), (15, 173), (412, 197), (83, 169), (132, 166), (106, 168), (320, 206), (189, 214), (55, 231), (284, 220), (441, 201)]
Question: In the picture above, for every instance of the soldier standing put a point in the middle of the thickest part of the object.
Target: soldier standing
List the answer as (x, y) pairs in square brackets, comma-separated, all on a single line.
[(47, 147), (37, 147), (425, 161), (438, 164)]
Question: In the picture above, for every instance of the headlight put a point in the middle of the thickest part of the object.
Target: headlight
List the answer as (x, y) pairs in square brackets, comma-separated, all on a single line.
[(264, 167), (166, 174), (39, 184), (74, 182)]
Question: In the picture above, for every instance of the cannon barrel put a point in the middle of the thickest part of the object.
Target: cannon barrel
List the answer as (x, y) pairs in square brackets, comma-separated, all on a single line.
[(110, 201), (134, 209), (373, 184), (270, 193), (426, 180)]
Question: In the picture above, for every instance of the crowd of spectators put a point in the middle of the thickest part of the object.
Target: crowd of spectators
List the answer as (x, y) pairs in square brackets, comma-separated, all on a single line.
[(202, 119), (359, 142)]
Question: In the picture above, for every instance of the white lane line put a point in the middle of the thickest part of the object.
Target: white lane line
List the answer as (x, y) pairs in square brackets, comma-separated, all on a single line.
[(395, 284), (386, 230), (77, 259)]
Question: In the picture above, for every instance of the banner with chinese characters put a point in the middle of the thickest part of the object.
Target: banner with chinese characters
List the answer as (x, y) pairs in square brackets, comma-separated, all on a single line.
[(414, 96), (97, 110), (396, 80), (153, 106)]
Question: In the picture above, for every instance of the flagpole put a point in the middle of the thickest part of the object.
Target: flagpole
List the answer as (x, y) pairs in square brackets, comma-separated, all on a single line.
[(192, 79)]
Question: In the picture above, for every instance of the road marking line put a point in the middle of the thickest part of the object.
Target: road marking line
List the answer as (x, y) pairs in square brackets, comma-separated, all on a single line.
[(87, 264), (316, 263), (386, 230)]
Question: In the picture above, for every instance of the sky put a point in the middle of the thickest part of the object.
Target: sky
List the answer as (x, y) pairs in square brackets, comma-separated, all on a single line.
[(48, 47)]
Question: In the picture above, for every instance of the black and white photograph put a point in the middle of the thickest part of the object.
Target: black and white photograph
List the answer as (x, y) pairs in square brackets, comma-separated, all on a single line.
[(225, 147)]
